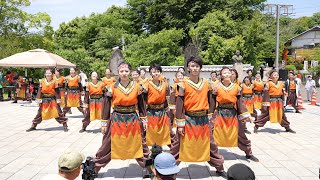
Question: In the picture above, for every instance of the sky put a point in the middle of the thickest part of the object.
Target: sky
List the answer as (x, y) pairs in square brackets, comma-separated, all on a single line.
[(66, 10), (300, 7)]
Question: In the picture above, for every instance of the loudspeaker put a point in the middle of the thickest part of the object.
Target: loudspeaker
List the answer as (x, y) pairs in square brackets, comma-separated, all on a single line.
[(283, 74)]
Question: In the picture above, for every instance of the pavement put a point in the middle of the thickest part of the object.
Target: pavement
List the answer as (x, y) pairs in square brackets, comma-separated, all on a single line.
[(35, 154)]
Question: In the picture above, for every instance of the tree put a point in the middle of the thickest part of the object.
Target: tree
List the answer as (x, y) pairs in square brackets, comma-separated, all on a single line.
[(156, 15), (20, 31), (162, 48)]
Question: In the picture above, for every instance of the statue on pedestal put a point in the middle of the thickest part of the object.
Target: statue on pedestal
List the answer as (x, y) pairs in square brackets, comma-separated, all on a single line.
[(237, 58)]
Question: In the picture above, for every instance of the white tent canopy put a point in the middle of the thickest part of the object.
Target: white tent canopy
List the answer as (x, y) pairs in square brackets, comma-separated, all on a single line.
[(37, 58)]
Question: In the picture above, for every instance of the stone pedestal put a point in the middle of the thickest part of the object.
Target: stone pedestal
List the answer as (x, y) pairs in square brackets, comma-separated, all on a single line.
[(115, 60), (239, 68)]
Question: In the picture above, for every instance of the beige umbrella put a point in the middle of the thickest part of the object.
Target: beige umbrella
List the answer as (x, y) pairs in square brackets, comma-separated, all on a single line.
[(37, 58)]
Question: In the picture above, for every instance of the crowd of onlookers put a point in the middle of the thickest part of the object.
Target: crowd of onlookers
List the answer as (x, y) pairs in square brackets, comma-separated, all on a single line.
[(17, 87)]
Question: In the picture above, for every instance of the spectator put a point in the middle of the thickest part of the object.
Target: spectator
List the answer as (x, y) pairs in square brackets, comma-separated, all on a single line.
[(166, 168), (1, 85), (9, 79), (70, 165), (310, 87), (298, 80), (240, 172), (84, 80)]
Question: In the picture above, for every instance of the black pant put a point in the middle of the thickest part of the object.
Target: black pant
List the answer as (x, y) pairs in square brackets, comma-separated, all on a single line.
[(1, 94)]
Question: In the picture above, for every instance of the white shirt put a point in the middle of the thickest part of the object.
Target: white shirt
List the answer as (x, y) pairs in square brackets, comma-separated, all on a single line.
[(310, 84), (84, 79)]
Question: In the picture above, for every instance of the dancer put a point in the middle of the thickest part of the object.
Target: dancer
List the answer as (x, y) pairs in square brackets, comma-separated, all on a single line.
[(234, 77), (258, 89), (61, 84), (173, 96), (142, 78), (291, 87), (194, 141), (48, 98), (249, 74), (74, 88), (231, 111), (159, 128), (272, 104), (214, 78), (247, 94), (135, 74), (92, 106), (22, 90), (123, 130), (108, 80)]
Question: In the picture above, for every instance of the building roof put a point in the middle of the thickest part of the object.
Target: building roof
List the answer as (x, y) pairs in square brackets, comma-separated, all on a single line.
[(315, 28), (205, 68)]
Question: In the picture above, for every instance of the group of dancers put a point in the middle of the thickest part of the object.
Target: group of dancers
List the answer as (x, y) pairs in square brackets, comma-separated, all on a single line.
[(138, 112)]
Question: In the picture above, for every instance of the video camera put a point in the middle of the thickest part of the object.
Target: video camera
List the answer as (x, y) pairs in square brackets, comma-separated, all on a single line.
[(155, 150), (89, 172)]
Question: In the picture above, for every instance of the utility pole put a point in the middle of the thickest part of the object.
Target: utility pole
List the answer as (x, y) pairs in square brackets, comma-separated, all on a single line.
[(278, 10)]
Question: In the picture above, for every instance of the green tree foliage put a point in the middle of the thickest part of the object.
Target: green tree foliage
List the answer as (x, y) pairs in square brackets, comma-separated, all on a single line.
[(156, 15), (20, 31), (162, 48)]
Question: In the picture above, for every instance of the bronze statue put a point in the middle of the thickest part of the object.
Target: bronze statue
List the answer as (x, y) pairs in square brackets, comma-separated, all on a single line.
[(237, 58)]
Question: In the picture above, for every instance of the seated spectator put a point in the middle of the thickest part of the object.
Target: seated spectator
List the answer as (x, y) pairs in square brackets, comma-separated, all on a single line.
[(166, 168), (70, 165), (240, 172)]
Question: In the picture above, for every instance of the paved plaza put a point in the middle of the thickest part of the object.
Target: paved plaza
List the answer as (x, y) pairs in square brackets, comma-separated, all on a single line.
[(33, 155)]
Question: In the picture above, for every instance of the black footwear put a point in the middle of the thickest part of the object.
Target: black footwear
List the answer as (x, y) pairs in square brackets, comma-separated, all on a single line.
[(222, 174), (65, 129), (298, 111), (82, 130), (290, 131), (253, 158), (247, 132), (15, 102), (255, 130), (31, 129)]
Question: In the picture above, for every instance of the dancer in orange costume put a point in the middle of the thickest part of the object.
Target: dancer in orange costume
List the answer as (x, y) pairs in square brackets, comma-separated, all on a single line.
[(123, 129), (61, 84), (231, 111), (258, 89), (159, 127), (92, 106), (108, 80), (48, 98), (272, 104), (74, 89), (194, 108)]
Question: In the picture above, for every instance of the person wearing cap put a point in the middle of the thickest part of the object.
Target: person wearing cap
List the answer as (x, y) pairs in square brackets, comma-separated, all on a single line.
[(165, 166), (310, 86), (240, 172), (70, 165)]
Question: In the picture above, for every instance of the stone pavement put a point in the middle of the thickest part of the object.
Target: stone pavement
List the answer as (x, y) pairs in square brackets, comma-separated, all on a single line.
[(33, 155)]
